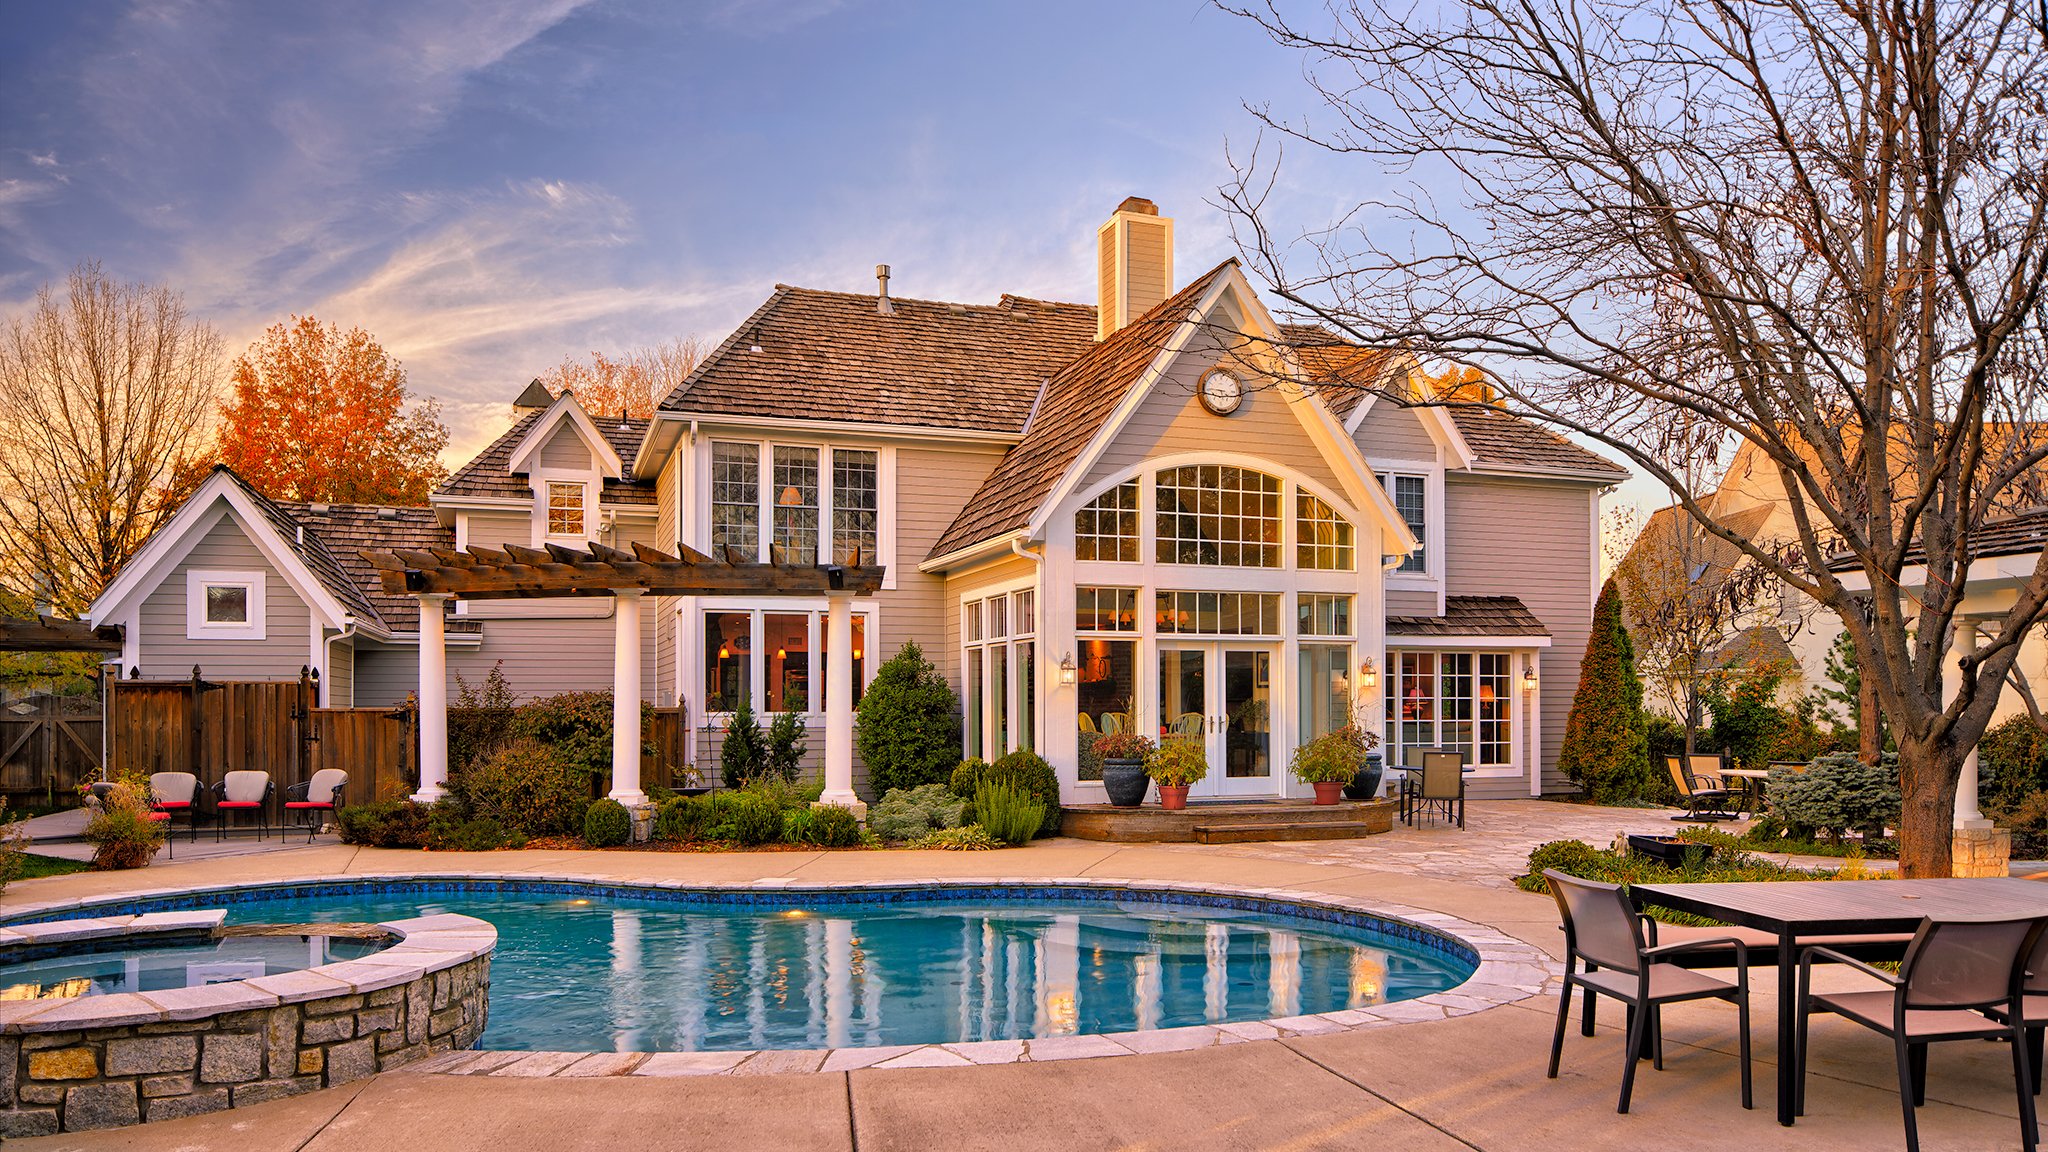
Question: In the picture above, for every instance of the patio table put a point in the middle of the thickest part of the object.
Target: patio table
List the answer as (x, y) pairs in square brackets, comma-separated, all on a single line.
[(1795, 908), (1752, 783)]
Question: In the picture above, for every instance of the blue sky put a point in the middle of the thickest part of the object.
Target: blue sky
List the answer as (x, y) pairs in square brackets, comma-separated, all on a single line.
[(490, 185)]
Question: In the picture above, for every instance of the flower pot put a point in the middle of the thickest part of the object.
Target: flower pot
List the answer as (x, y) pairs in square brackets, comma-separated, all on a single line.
[(1366, 784), (1173, 797), (1328, 792), (1666, 850), (1125, 781)]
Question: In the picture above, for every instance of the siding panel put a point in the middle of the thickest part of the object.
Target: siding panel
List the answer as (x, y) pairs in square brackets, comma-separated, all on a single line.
[(1391, 432), (286, 648)]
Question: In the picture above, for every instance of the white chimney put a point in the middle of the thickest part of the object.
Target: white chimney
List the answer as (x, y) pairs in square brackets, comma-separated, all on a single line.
[(1134, 269)]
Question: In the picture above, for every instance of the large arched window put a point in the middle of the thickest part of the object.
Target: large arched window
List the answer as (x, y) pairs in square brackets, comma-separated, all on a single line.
[(1322, 538), (1217, 514), (1106, 528)]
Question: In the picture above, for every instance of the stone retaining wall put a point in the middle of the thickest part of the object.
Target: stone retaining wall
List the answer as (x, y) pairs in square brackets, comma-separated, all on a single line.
[(106, 1061)]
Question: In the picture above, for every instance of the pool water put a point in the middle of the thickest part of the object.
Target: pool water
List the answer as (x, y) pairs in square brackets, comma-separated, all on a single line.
[(615, 972), (148, 969)]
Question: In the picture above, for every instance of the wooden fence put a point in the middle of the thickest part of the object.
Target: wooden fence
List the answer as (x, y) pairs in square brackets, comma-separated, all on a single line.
[(48, 744)]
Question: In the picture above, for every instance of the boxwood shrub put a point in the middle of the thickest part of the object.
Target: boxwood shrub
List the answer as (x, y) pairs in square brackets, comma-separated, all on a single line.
[(607, 824), (1027, 770)]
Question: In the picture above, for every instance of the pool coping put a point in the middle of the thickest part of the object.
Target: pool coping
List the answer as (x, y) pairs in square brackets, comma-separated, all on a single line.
[(1507, 971)]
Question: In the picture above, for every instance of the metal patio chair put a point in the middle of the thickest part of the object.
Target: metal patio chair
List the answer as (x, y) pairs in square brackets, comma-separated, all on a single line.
[(1439, 786), (171, 793), (1701, 801), (314, 797), (1962, 979), (1604, 932), (245, 791)]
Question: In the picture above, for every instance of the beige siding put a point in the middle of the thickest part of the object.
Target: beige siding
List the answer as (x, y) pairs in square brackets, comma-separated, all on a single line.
[(164, 652), (564, 449), (1532, 540), (496, 529), (1146, 270), (540, 658), (1391, 432), (666, 533), (1106, 285), (1001, 572), (932, 484), (1171, 420), (1409, 602), (338, 689)]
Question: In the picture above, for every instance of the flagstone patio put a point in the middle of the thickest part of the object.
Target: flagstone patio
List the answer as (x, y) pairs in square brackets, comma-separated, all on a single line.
[(1475, 1081)]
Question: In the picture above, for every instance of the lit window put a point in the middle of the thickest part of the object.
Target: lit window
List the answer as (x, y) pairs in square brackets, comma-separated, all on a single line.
[(1106, 528), (736, 497), (1322, 538), (1460, 701), (1218, 613), (1217, 514), (1411, 501), (796, 505), (1000, 666), (565, 509), (1106, 609), (1322, 614), (856, 496)]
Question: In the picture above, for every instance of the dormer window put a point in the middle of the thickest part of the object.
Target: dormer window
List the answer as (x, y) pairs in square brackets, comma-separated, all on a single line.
[(1411, 499), (565, 509)]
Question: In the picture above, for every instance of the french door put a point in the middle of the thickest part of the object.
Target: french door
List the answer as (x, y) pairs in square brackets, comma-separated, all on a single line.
[(1221, 694)]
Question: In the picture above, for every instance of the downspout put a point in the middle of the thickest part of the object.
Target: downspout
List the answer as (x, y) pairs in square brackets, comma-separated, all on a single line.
[(348, 631)]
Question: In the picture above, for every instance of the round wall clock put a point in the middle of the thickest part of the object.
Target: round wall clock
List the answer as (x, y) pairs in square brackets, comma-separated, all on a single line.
[(1221, 392)]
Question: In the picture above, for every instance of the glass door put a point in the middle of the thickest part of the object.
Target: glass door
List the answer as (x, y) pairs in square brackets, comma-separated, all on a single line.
[(1184, 694), (1241, 752)]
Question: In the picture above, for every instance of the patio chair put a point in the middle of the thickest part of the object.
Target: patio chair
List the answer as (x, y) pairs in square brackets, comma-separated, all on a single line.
[(1112, 723), (1186, 726), (1955, 971), (1709, 770), (1088, 723), (1442, 785), (311, 798), (1603, 932), (245, 791), (2034, 1006), (172, 793), (1701, 801)]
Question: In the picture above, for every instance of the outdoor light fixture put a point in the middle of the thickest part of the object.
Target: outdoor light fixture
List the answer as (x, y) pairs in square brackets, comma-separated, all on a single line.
[(1528, 676), (1067, 670), (1368, 676)]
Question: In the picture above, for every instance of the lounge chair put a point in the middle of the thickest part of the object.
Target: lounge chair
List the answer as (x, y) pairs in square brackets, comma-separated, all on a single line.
[(1605, 934), (1701, 802), (1955, 972), (316, 798), (241, 792)]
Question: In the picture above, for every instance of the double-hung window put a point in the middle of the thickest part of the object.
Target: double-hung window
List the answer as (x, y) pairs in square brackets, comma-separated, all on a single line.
[(1410, 494), (999, 654), (1457, 700), (736, 497), (798, 503), (565, 508)]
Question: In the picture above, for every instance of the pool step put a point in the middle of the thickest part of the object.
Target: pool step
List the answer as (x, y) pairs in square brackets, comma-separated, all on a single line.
[(1315, 830)]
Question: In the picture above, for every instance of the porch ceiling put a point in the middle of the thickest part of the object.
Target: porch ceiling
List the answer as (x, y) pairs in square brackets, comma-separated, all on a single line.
[(513, 572)]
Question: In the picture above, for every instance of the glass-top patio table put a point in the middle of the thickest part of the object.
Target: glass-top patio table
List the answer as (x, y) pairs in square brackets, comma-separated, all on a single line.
[(1792, 909)]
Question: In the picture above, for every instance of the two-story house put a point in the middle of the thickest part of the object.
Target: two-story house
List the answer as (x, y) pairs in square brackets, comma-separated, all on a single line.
[(1154, 511)]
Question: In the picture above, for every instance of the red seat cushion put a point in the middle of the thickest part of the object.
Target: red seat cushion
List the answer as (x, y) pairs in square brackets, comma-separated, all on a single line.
[(174, 804), (158, 816), (308, 804), (239, 804)]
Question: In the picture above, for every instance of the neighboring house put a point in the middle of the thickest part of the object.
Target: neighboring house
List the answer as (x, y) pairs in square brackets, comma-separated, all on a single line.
[(1144, 511)]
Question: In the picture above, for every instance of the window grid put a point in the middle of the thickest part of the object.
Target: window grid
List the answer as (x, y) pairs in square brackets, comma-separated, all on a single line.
[(565, 509), (1107, 527), (1411, 500), (1106, 609), (856, 496), (1322, 614), (736, 497), (796, 504), (1322, 539), (1456, 700), (1218, 515), (1496, 738), (1218, 613)]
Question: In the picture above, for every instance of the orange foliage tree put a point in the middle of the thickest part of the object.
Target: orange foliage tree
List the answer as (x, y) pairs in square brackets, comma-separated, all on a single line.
[(317, 413), (630, 384)]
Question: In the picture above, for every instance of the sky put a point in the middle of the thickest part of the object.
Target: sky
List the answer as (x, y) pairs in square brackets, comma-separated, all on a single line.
[(488, 186)]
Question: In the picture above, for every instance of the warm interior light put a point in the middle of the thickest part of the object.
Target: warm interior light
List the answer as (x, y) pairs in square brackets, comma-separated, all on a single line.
[(724, 653), (856, 653), (782, 653), (790, 497)]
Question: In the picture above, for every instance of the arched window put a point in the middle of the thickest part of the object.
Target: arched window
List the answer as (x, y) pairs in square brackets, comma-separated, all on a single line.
[(1322, 538), (1217, 514), (1106, 528)]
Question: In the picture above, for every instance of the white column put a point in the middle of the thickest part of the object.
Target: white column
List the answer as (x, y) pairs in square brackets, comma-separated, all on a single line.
[(626, 698), (1964, 643), (839, 702), (433, 698)]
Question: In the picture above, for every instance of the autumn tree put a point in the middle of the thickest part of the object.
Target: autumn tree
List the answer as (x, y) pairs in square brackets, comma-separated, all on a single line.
[(317, 413), (632, 383), (1815, 232), (104, 393)]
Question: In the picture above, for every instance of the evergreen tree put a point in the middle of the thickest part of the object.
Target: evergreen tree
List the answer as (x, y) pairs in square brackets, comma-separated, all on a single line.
[(1606, 748), (744, 753), (908, 724)]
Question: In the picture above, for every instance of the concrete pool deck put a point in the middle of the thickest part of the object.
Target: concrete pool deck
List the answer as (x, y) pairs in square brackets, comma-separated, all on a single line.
[(1471, 1082)]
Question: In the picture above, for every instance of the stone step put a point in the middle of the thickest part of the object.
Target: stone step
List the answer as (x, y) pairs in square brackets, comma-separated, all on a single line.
[(1310, 830)]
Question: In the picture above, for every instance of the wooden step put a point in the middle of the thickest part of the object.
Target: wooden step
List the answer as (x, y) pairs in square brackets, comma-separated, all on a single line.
[(1309, 830)]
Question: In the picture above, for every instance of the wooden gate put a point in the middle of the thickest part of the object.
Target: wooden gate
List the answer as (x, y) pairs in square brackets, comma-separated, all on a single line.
[(377, 747), (49, 744)]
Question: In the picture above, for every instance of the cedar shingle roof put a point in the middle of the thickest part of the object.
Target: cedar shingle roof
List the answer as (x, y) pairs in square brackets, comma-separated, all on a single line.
[(1077, 400), (347, 529), (812, 355), (1472, 616), (311, 551), (487, 474), (1503, 440)]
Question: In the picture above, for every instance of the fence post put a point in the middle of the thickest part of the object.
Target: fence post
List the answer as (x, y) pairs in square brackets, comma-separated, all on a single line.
[(198, 725)]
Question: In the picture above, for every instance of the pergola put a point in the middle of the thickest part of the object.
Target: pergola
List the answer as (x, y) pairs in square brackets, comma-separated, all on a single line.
[(513, 572)]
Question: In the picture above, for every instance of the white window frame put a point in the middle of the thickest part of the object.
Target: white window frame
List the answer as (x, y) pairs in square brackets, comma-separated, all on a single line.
[(1002, 648), (547, 510), (1519, 703), (765, 494), (198, 580), (757, 672), (593, 513)]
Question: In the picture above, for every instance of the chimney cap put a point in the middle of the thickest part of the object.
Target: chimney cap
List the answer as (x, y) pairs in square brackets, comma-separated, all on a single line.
[(882, 304), (1138, 204), (534, 395)]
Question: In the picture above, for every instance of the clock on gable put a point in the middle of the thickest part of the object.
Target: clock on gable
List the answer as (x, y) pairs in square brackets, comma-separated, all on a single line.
[(1221, 392)]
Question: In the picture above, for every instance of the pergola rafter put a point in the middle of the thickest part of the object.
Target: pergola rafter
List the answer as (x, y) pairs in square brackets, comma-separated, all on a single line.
[(52, 634)]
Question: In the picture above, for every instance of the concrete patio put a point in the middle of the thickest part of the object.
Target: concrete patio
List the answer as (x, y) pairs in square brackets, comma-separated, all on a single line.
[(1472, 1082)]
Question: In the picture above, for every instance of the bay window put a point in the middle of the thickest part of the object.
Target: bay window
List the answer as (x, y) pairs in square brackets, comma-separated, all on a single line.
[(796, 505)]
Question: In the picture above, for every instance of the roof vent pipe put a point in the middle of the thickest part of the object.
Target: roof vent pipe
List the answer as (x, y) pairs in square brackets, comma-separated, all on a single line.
[(882, 304)]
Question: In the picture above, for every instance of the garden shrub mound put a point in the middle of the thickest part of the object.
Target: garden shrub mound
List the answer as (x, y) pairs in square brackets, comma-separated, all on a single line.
[(1026, 770), (607, 824), (1836, 794), (907, 726), (966, 838), (908, 813), (528, 787), (384, 824), (1719, 858), (759, 814), (826, 826)]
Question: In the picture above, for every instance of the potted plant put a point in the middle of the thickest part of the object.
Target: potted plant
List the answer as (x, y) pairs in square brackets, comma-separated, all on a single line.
[(1123, 767), (1329, 762), (1175, 766)]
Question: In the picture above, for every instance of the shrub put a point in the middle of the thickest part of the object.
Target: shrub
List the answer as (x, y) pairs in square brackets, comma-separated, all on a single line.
[(907, 726), (681, 818), (577, 726), (907, 813), (1605, 748), (449, 832), (1178, 762), (2013, 760), (14, 843), (2028, 823), (745, 816), (1836, 794), (1007, 811), (1721, 862), (1332, 758), (526, 786), (121, 833), (1124, 745), (966, 838), (1024, 769), (827, 826), (784, 759), (385, 824), (742, 754), (607, 824)]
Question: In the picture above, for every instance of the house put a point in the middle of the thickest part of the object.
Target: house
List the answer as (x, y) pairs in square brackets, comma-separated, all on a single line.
[(1161, 509)]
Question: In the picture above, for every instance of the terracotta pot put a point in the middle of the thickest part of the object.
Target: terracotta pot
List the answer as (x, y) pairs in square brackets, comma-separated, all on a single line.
[(1328, 793), (1173, 797)]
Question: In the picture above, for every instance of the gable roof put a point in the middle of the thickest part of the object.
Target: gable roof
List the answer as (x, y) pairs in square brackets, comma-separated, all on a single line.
[(489, 473), (806, 354), (610, 461), (344, 530), (1503, 440), (1077, 401)]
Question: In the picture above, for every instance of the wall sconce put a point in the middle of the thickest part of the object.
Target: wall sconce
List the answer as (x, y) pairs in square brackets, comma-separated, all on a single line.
[(1368, 676), (1067, 670), (1528, 676)]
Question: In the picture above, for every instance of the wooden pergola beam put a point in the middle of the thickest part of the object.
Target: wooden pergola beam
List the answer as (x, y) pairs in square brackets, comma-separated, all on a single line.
[(515, 572), (50, 634)]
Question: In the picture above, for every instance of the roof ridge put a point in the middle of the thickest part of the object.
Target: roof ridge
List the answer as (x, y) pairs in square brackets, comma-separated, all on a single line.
[(1001, 301)]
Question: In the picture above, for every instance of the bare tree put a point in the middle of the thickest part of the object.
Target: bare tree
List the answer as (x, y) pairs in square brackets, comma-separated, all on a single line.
[(1818, 228), (104, 396)]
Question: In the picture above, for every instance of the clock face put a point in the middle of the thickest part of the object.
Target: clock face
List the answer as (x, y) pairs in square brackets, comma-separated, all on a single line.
[(1222, 392)]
